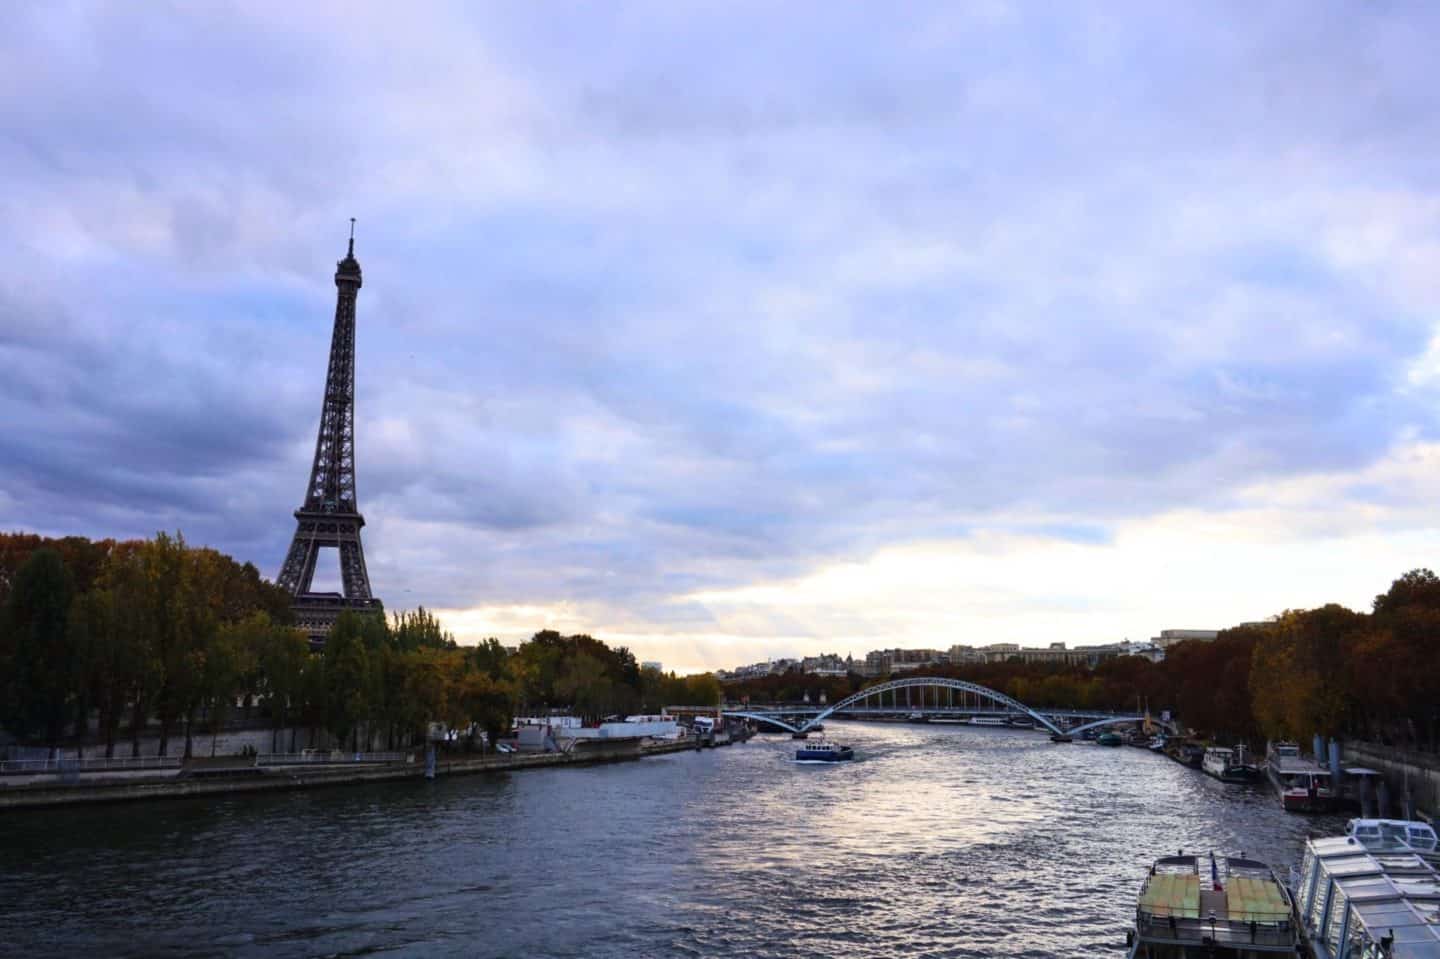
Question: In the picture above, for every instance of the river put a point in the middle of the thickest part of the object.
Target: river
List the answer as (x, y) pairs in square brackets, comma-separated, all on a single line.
[(937, 841)]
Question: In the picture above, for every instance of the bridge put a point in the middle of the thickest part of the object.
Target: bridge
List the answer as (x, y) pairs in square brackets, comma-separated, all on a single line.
[(935, 697)]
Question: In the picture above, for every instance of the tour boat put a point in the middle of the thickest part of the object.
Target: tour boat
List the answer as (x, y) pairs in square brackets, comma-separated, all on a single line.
[(824, 753), (987, 720), (1373, 893), (1228, 765), (1110, 739), (1303, 786), (1214, 907), (1393, 834), (1022, 722)]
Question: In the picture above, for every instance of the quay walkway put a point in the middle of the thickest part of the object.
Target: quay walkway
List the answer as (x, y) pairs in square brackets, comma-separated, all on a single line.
[(172, 782)]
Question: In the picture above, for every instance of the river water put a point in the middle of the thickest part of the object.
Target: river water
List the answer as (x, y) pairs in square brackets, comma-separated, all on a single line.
[(937, 841)]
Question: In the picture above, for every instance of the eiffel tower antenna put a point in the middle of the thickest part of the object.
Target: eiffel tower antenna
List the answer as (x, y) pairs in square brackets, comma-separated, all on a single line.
[(330, 516)]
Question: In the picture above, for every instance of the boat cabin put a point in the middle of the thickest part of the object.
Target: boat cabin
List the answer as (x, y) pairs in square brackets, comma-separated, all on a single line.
[(1361, 902), (1393, 834)]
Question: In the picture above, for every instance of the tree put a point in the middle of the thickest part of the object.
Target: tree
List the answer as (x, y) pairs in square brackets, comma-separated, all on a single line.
[(39, 653), (345, 668), (283, 659)]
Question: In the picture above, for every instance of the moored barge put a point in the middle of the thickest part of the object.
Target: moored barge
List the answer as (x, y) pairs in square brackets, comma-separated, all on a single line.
[(1213, 906), (1303, 786), (1229, 765)]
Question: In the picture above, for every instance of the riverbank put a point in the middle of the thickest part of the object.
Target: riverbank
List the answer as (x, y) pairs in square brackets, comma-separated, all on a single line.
[(214, 779)]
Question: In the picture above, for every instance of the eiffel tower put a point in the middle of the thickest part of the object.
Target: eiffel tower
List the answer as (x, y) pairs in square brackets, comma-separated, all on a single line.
[(330, 517)]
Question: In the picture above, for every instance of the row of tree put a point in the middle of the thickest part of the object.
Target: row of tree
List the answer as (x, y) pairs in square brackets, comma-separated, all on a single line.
[(1330, 670), (108, 640)]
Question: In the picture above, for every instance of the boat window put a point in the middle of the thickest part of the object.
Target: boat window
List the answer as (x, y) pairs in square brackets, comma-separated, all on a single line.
[(1392, 831), (1336, 924), (1317, 907), (1307, 866), (1417, 887), (1355, 941)]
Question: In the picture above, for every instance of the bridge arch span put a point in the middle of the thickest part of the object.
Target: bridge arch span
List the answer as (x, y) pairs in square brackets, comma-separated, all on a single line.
[(1120, 720), (764, 718), (932, 682)]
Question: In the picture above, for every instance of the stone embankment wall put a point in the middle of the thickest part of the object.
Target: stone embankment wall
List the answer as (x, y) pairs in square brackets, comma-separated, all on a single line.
[(1420, 772), (229, 742)]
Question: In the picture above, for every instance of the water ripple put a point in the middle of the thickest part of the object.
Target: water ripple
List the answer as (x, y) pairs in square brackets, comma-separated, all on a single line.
[(938, 842)]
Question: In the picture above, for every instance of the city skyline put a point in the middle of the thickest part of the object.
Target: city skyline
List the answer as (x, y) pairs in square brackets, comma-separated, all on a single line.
[(672, 337)]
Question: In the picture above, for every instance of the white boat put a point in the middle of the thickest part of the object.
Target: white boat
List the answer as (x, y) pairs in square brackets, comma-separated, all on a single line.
[(1373, 893), (1388, 834), (987, 721), (1228, 766)]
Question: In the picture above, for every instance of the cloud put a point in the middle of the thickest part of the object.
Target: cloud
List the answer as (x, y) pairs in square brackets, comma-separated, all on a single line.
[(666, 303)]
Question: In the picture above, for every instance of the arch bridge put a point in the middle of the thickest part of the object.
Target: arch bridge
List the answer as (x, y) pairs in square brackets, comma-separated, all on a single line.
[(937, 697)]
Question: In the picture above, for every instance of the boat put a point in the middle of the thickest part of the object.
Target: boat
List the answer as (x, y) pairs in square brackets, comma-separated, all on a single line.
[(1061, 738), (1157, 744), (1213, 906), (1394, 834), (1373, 893), (1303, 786), (917, 718), (824, 753), (987, 720), (1186, 754), (1022, 722), (1110, 739), (1228, 765)]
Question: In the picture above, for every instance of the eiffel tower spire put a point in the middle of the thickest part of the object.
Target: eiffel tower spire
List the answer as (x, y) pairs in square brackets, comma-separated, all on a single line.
[(330, 516)]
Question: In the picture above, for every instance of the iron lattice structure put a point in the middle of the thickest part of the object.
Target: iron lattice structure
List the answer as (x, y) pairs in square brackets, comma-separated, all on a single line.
[(330, 516), (803, 720)]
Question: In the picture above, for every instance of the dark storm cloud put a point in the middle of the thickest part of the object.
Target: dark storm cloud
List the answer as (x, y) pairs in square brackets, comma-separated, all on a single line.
[(663, 299)]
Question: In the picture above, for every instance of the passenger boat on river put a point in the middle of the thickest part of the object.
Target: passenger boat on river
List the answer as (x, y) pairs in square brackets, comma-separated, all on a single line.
[(1373, 893), (824, 753), (1194, 906)]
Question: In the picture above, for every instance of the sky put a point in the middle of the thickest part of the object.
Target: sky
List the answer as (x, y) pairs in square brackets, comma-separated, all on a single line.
[(728, 331)]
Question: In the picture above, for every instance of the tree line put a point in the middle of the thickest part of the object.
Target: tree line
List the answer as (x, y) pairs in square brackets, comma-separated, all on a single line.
[(1331, 670), (111, 640)]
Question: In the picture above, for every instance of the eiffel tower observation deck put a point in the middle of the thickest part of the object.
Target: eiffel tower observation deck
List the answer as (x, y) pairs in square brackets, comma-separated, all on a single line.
[(330, 516)]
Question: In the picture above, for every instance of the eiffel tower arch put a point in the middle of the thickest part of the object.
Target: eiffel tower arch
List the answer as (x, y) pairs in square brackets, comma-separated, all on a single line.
[(330, 516)]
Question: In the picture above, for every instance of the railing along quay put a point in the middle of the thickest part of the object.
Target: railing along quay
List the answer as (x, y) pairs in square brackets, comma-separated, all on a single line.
[(331, 757), (35, 767)]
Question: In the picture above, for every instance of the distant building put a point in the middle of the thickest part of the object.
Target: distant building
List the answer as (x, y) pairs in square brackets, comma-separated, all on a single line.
[(961, 655), (1169, 637), (827, 664), (772, 667)]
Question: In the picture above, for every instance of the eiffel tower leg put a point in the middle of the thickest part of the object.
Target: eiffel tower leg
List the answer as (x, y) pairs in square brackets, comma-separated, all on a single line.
[(352, 569), (299, 568)]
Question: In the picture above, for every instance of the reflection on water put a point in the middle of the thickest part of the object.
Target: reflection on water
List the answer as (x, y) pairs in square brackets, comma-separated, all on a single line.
[(936, 841)]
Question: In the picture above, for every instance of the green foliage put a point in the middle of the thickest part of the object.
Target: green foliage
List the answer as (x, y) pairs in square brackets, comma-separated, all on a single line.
[(38, 647)]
